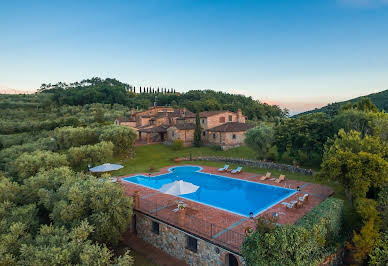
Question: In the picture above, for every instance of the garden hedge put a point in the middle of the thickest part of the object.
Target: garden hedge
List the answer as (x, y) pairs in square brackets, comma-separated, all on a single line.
[(306, 243)]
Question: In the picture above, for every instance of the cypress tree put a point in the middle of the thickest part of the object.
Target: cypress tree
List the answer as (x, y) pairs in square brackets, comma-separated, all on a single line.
[(197, 132)]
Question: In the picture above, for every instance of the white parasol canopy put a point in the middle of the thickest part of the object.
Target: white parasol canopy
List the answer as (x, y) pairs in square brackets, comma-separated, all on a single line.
[(106, 167), (177, 188)]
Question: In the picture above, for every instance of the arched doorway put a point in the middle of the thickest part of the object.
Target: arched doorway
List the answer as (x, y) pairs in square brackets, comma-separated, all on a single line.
[(231, 260)]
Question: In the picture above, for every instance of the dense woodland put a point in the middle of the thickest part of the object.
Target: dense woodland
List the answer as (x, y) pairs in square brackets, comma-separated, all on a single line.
[(53, 212)]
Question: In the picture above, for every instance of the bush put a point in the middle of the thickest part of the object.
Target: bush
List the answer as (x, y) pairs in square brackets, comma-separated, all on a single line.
[(331, 213), (68, 137), (286, 157), (215, 147), (305, 243), (272, 154), (260, 139), (80, 157), (379, 255), (178, 144), (123, 138), (28, 164)]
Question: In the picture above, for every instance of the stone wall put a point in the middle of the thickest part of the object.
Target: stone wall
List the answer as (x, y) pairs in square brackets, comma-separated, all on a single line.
[(214, 120), (173, 241), (257, 164), (187, 136), (128, 124), (225, 139)]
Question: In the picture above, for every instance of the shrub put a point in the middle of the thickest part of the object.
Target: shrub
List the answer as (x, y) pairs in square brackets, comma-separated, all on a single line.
[(305, 243), (80, 157), (272, 154), (379, 255), (28, 164), (286, 157), (331, 213), (68, 137), (260, 139), (215, 147), (123, 138), (178, 144)]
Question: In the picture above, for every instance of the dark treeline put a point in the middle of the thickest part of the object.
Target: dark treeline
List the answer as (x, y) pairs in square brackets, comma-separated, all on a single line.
[(112, 91)]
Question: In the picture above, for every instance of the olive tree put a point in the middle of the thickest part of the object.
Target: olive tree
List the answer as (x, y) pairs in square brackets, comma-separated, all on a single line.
[(260, 139)]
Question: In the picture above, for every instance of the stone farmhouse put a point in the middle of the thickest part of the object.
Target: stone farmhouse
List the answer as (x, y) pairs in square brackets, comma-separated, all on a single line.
[(166, 124)]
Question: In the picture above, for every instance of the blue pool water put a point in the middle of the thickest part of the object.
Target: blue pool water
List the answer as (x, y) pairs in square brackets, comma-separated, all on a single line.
[(230, 194)]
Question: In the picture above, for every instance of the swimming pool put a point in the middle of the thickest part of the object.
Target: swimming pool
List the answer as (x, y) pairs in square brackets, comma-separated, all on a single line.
[(229, 194)]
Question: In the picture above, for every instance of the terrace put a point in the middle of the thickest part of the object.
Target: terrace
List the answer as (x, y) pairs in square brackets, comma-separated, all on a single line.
[(218, 226)]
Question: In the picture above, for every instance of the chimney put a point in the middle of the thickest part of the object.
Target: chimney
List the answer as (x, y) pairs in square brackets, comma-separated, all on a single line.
[(240, 116), (132, 111)]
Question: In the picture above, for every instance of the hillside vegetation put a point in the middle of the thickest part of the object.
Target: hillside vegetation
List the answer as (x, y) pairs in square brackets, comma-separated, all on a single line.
[(112, 91), (379, 99)]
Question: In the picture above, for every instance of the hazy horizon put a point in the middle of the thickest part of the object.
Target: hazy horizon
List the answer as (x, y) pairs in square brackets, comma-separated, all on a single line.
[(297, 54)]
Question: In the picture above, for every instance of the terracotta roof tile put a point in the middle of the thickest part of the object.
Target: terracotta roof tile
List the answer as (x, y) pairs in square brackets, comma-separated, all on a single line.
[(211, 113), (155, 129), (187, 126), (231, 127)]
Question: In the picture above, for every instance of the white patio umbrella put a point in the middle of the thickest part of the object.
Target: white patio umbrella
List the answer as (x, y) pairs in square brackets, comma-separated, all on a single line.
[(177, 188), (106, 167)]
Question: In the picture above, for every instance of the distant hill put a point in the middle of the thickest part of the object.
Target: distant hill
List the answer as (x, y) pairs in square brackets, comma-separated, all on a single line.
[(380, 99)]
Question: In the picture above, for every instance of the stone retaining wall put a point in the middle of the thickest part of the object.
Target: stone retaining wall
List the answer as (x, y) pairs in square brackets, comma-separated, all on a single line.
[(254, 163), (173, 241)]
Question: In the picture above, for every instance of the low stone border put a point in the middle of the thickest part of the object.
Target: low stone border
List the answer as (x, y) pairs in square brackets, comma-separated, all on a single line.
[(253, 163)]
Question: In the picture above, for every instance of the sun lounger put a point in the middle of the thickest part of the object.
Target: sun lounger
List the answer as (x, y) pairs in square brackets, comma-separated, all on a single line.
[(290, 205), (265, 177), (225, 168), (304, 198), (280, 179), (238, 170)]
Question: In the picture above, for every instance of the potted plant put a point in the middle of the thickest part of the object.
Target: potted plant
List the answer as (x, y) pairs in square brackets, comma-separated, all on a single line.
[(248, 230)]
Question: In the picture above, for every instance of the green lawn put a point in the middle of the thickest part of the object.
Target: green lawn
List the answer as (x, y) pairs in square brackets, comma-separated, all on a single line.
[(160, 155)]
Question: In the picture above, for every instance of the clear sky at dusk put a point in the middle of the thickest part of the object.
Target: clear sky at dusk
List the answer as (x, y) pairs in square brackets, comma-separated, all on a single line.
[(299, 54)]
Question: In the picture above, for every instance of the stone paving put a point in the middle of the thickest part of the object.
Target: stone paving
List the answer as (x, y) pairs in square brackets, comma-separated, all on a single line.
[(217, 225)]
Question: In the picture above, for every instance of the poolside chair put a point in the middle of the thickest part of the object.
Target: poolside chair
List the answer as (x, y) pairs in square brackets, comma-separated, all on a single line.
[(290, 205), (264, 177), (304, 198), (238, 170), (224, 169), (280, 179)]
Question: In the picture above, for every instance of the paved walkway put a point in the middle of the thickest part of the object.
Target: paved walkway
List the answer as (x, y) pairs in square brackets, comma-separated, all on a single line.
[(152, 253)]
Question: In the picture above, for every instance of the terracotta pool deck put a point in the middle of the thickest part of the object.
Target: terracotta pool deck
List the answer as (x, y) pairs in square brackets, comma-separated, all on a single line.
[(217, 225)]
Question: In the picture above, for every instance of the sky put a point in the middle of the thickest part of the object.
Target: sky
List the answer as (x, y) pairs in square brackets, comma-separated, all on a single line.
[(299, 54)]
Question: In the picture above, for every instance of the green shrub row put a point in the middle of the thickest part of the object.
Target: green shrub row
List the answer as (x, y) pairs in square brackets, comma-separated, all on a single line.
[(306, 243)]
